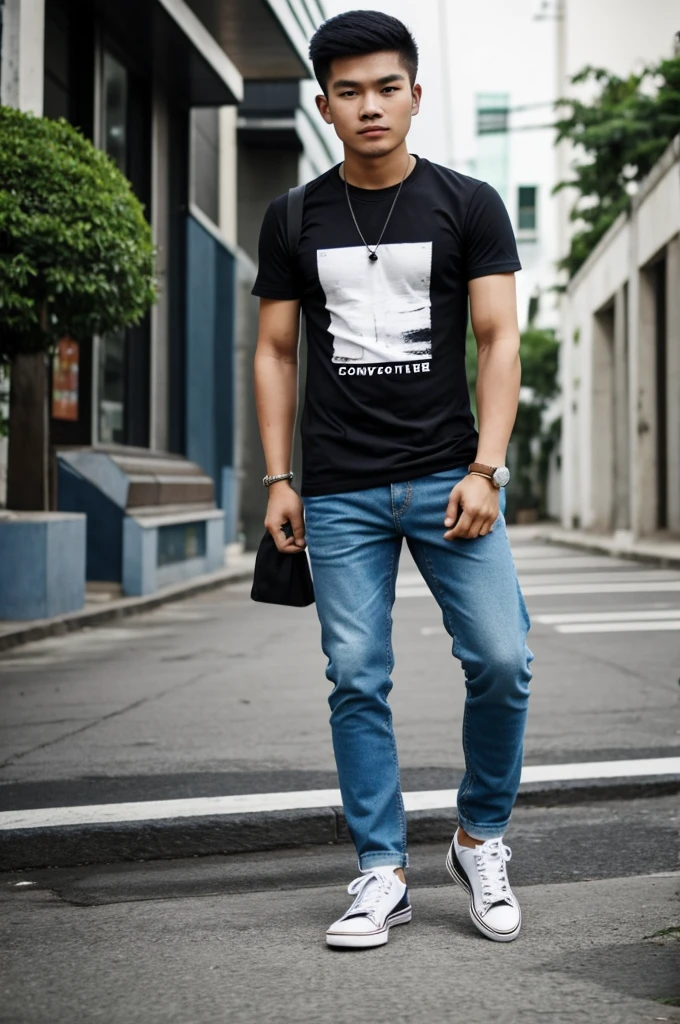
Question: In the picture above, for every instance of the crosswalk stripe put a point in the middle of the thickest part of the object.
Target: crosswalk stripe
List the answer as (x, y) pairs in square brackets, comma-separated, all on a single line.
[(195, 807), (566, 589), (566, 565), (599, 577), (613, 616), (620, 627)]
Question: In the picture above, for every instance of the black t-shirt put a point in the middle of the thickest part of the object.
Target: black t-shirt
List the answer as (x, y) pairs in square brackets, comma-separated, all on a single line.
[(386, 396)]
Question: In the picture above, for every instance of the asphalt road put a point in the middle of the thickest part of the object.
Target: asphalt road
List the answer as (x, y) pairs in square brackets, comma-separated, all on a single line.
[(241, 938), (218, 695)]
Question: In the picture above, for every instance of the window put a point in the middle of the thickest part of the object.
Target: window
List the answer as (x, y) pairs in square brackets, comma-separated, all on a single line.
[(493, 146), (526, 217), (205, 159), (111, 368), (491, 120), (114, 111)]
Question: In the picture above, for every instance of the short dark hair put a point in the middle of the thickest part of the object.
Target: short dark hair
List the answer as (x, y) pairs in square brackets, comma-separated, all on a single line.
[(356, 33)]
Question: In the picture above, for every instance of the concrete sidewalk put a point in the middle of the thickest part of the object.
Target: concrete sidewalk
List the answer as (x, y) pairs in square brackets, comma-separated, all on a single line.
[(662, 551), (242, 938), (103, 603)]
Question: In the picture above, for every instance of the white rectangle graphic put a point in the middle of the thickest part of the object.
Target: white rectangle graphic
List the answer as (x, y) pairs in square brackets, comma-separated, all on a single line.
[(380, 311)]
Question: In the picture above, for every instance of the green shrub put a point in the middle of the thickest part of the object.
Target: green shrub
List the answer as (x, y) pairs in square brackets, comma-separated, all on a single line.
[(76, 254)]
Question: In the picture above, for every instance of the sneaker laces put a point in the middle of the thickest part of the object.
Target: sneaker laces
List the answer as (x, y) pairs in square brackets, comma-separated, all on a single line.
[(490, 859), (369, 889)]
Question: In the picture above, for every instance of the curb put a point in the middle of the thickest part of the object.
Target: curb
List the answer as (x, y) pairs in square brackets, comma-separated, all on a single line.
[(76, 845), (604, 547), (60, 625)]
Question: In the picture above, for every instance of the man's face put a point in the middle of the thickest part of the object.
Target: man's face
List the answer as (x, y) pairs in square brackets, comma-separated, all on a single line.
[(370, 103)]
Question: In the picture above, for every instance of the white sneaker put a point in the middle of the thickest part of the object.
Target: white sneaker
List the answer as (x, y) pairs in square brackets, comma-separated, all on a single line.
[(381, 901), (481, 872)]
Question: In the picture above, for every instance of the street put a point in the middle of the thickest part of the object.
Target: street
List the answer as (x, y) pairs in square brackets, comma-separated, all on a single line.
[(217, 696)]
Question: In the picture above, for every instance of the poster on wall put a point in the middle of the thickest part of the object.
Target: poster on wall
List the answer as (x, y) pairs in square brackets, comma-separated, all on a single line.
[(65, 380)]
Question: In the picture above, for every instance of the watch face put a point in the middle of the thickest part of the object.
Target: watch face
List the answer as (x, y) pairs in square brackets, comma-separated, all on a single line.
[(501, 476)]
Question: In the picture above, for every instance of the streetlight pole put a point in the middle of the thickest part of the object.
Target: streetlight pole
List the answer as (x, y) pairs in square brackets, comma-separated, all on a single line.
[(446, 80)]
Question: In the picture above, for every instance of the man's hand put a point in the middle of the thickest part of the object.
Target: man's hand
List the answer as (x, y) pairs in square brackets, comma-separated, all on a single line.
[(472, 510), (285, 506)]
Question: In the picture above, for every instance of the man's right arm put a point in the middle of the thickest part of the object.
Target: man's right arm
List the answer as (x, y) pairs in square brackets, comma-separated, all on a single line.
[(276, 383)]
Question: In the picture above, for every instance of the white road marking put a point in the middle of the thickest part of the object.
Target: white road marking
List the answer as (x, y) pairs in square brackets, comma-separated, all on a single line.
[(565, 565), (620, 627), (613, 616), (157, 810), (566, 589), (561, 590), (408, 580), (600, 577)]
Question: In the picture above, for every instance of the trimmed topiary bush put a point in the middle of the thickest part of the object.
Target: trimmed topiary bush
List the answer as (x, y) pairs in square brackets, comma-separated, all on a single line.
[(76, 255), (76, 259)]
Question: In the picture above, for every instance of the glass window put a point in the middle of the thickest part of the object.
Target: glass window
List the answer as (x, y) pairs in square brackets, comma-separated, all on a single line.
[(205, 156), (111, 368), (112, 388), (114, 112), (493, 147), (526, 216)]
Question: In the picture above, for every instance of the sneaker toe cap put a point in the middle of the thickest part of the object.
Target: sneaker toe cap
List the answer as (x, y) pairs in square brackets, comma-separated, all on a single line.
[(503, 919), (352, 926)]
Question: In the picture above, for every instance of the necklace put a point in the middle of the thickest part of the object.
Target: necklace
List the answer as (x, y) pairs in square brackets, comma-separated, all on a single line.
[(373, 253)]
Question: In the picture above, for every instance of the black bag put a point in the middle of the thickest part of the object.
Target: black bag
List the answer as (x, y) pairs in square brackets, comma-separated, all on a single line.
[(281, 579)]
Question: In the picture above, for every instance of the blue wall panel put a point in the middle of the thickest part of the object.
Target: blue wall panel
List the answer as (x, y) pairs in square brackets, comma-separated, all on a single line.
[(210, 356)]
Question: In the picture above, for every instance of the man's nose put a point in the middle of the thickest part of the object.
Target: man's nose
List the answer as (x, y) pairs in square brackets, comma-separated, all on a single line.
[(371, 107)]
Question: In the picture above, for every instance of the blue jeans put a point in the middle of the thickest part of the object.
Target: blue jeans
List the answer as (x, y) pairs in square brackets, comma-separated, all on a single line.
[(354, 545)]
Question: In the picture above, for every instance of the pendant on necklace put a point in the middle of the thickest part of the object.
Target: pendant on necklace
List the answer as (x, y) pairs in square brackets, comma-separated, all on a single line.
[(373, 257)]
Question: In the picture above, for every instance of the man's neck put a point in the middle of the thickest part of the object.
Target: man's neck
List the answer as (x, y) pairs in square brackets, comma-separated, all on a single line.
[(379, 172)]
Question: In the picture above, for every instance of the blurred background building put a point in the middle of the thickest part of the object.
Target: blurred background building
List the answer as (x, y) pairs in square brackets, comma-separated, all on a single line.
[(620, 319)]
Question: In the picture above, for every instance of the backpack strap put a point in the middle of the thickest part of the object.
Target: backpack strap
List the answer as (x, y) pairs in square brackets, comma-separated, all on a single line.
[(296, 202)]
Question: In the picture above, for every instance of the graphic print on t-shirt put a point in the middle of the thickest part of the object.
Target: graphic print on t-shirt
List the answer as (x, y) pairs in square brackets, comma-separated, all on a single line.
[(380, 311)]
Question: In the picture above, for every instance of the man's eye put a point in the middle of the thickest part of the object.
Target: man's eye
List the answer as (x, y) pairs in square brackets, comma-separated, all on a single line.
[(348, 93), (390, 88)]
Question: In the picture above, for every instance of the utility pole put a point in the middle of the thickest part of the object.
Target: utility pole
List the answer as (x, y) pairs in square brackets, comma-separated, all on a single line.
[(445, 59), (22, 55)]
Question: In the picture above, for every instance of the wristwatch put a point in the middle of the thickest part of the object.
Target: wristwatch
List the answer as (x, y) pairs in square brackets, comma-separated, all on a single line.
[(267, 481), (498, 475)]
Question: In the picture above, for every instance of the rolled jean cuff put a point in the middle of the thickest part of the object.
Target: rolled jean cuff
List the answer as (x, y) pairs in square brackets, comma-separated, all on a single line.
[(482, 832), (378, 860)]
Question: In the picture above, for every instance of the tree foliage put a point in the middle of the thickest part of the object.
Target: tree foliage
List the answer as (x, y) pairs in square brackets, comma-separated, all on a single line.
[(76, 254), (619, 136)]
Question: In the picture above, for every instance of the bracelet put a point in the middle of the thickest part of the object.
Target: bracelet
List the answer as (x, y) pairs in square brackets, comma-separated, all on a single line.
[(484, 476), (267, 481)]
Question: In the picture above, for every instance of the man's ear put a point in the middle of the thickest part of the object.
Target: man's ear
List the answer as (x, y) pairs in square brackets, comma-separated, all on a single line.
[(324, 109), (417, 96)]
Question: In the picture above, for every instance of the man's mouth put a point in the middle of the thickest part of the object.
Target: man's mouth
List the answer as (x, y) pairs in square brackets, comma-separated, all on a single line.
[(373, 130)]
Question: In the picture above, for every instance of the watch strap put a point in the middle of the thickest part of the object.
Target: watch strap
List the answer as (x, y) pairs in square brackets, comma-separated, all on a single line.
[(481, 470)]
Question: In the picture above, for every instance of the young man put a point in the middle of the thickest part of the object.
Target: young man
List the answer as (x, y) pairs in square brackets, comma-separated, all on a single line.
[(391, 249)]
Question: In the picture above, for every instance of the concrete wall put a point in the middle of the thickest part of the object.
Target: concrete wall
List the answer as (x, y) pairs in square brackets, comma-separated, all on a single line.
[(615, 359)]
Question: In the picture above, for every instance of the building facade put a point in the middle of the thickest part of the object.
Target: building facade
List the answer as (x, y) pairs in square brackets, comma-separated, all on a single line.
[(621, 371), (197, 103)]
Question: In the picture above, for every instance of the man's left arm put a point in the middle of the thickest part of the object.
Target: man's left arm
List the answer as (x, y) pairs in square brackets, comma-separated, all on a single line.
[(473, 505)]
